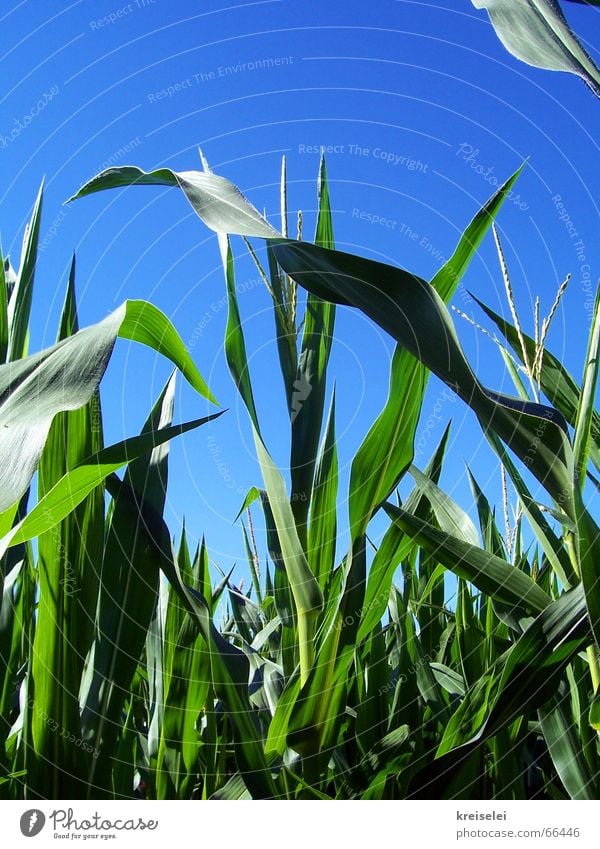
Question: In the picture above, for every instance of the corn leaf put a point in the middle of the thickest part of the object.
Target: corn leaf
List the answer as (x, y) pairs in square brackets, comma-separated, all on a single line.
[(128, 596), (493, 576), (303, 584), (64, 377), (556, 383), (4, 327), (411, 311), (19, 304), (588, 533), (537, 32), (69, 562), (523, 678), (322, 530), (214, 199), (564, 747), (308, 395)]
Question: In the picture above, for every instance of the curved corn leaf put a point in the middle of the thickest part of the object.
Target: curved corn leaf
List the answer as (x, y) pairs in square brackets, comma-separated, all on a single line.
[(64, 377), (537, 32), (303, 584), (387, 450), (71, 489), (146, 324), (402, 304), (19, 304), (523, 678), (493, 576), (451, 518)]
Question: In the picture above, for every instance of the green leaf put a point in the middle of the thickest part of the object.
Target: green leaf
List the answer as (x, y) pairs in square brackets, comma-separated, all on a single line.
[(388, 448), (524, 677), (69, 562), (451, 518), (71, 489), (553, 547), (303, 584), (560, 734), (450, 274), (129, 590), (537, 32), (588, 533), (4, 328), (308, 395), (64, 377), (214, 199), (322, 530), (555, 381), (229, 673), (584, 422), (145, 323), (407, 307), (493, 576), (395, 546), (19, 305), (411, 311), (492, 538)]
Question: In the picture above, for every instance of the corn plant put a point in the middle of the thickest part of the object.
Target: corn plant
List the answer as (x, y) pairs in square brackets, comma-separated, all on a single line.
[(330, 678)]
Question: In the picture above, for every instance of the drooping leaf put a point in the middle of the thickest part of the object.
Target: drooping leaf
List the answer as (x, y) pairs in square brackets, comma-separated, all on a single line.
[(71, 489), (493, 576), (556, 382), (525, 677), (64, 377), (537, 32)]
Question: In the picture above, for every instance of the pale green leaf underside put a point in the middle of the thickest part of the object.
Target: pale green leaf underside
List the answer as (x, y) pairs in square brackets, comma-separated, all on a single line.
[(537, 32)]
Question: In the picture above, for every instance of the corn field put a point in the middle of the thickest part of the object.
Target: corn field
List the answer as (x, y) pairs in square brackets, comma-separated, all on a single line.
[(455, 659)]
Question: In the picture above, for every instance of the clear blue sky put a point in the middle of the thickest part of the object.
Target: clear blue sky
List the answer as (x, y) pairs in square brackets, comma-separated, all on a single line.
[(410, 97)]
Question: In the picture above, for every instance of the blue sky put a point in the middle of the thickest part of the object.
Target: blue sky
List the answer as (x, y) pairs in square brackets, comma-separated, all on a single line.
[(421, 111)]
